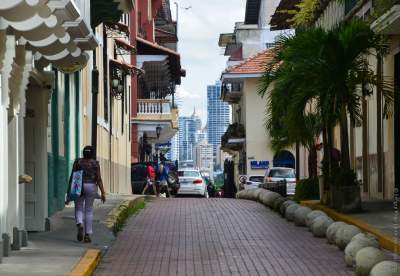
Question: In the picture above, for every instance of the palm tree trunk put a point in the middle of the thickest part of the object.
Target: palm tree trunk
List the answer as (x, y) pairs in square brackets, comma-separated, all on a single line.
[(312, 160), (379, 123), (344, 140)]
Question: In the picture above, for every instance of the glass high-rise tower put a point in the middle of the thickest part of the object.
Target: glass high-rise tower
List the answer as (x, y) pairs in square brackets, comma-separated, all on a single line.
[(188, 136), (218, 116)]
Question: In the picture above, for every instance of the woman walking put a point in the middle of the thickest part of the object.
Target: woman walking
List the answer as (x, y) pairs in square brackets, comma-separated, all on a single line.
[(91, 179)]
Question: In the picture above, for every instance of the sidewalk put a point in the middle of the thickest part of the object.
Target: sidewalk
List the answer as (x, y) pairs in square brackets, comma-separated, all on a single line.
[(377, 217), (56, 252)]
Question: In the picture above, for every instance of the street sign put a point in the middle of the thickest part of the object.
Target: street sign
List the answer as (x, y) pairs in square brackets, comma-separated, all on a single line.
[(259, 165)]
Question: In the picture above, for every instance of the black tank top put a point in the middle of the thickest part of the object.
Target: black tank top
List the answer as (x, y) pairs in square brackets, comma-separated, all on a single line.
[(89, 167)]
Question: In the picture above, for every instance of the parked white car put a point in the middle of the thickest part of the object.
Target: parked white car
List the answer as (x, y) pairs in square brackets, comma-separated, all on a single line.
[(277, 174), (192, 183), (253, 181)]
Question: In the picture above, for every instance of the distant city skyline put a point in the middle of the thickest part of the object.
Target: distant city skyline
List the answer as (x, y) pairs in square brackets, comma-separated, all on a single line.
[(218, 116)]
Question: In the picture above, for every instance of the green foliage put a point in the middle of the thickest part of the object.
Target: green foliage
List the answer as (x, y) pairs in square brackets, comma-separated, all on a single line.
[(343, 178), (305, 14), (307, 189), (318, 80), (125, 214)]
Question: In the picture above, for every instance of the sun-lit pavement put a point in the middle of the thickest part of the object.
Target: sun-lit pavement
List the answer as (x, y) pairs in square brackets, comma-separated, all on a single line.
[(194, 236)]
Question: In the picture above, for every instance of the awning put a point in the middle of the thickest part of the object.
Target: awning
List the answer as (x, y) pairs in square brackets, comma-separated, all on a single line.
[(53, 30), (145, 47), (130, 69), (117, 27), (123, 45)]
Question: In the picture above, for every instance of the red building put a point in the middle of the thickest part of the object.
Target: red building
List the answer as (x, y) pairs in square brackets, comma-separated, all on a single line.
[(154, 113)]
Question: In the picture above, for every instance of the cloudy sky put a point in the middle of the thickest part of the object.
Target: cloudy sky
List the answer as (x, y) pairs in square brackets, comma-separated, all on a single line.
[(199, 29)]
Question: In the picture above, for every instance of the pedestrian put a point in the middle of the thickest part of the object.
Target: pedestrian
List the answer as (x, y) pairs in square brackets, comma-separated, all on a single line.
[(163, 178), (150, 179), (91, 180)]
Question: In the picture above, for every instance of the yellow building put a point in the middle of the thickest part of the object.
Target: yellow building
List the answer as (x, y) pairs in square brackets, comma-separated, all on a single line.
[(374, 145)]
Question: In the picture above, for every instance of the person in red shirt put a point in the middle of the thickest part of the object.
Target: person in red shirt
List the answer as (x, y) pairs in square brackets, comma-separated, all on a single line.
[(151, 179)]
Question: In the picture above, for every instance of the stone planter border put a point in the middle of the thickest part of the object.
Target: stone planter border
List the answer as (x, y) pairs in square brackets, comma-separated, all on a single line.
[(385, 241)]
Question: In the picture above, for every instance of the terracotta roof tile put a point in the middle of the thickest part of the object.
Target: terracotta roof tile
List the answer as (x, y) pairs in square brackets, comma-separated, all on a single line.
[(253, 65)]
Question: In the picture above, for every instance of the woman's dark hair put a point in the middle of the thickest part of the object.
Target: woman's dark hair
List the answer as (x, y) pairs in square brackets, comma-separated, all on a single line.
[(88, 152)]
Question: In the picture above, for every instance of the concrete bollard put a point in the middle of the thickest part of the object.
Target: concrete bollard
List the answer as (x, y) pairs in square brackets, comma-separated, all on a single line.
[(356, 245), (270, 198), (284, 205), (17, 237), (386, 268), (6, 245), (367, 258), (278, 202), (24, 240), (290, 210), (300, 215), (320, 225), (332, 229), (344, 235), (312, 215)]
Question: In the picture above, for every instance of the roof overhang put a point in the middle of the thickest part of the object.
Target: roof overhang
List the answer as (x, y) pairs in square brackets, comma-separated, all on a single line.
[(388, 23), (225, 77), (285, 11), (145, 47), (54, 31), (252, 11), (104, 11)]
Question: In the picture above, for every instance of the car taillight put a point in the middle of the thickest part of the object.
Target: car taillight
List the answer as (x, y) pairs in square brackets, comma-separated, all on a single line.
[(198, 181)]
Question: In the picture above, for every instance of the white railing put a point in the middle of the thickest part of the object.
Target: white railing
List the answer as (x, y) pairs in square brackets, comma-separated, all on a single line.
[(154, 106)]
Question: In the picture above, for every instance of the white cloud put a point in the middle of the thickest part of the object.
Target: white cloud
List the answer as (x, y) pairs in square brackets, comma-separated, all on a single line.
[(198, 32), (183, 94)]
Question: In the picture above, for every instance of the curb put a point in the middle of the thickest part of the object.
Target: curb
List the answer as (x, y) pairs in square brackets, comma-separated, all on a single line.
[(87, 264), (115, 213), (385, 240), (89, 261)]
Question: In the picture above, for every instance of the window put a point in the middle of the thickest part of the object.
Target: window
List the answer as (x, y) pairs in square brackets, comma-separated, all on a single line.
[(282, 173), (189, 173)]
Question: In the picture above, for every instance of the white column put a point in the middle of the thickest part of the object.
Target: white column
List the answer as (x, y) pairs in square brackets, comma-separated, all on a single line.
[(7, 54)]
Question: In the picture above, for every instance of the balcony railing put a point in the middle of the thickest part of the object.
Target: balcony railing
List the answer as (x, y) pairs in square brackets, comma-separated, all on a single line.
[(154, 106), (232, 92)]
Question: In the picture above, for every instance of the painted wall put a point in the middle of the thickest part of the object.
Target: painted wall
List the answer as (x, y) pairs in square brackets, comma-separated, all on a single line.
[(113, 121), (257, 139)]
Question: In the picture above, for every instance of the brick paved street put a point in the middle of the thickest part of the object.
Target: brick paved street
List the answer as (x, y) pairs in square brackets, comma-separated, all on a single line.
[(193, 236)]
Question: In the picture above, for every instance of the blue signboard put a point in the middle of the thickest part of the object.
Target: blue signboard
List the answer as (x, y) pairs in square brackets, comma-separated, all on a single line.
[(259, 165)]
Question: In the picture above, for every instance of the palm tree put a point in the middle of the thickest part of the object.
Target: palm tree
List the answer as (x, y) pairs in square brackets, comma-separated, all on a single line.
[(327, 73)]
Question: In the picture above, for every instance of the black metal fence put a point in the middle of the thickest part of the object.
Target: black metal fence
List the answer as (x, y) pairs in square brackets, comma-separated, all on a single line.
[(277, 187)]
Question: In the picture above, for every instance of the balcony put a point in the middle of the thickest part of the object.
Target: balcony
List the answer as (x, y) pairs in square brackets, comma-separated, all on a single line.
[(154, 113), (232, 92), (234, 138)]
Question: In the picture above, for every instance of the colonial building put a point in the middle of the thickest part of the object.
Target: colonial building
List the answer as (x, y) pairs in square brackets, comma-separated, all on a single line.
[(154, 111), (46, 85), (247, 48)]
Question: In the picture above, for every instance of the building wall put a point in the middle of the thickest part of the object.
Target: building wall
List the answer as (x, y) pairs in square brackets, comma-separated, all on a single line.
[(332, 15), (113, 123), (257, 140)]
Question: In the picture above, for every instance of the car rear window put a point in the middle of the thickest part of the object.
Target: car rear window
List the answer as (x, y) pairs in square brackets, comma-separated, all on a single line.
[(189, 173), (282, 173), (256, 179)]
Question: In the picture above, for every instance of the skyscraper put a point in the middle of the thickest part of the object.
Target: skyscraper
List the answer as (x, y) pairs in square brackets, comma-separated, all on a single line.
[(218, 116), (188, 136)]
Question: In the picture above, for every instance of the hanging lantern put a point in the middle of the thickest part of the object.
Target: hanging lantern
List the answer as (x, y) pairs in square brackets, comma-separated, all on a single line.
[(158, 132)]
